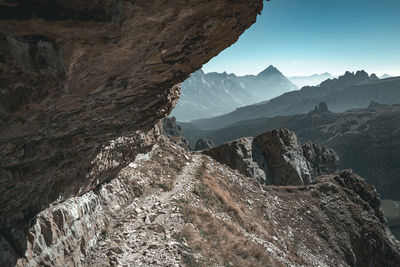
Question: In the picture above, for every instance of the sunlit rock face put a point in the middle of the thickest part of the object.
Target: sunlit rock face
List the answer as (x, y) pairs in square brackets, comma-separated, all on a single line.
[(276, 158), (76, 75)]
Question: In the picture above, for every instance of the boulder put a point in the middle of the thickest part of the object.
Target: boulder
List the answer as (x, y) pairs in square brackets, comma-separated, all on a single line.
[(241, 155), (276, 158), (284, 156)]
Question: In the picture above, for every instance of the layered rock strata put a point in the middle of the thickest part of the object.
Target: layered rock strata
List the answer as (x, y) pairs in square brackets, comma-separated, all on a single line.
[(276, 158), (76, 75), (169, 207), (170, 129)]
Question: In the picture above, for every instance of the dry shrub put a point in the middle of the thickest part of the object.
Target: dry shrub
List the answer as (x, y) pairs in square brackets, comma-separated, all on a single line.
[(211, 190), (218, 239), (223, 195)]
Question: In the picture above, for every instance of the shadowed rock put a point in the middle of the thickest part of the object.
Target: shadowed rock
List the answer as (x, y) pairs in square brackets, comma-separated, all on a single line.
[(320, 108), (170, 129), (203, 144), (82, 85), (76, 75)]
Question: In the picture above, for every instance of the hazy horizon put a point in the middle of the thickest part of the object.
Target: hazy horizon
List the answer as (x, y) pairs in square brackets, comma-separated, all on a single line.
[(305, 75), (302, 38)]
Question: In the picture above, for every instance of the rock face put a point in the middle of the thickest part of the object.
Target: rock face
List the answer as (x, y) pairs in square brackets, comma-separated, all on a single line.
[(284, 156), (320, 159), (77, 75), (170, 129), (366, 140), (276, 157), (243, 156), (320, 108), (203, 144), (172, 207)]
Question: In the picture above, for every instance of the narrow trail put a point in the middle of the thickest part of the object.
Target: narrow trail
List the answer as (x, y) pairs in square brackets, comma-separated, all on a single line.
[(143, 233)]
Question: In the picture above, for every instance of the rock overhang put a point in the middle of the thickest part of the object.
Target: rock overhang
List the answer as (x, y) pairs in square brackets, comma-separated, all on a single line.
[(78, 74)]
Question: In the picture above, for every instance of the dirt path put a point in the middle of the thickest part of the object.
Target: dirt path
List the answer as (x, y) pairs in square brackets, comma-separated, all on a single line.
[(142, 234)]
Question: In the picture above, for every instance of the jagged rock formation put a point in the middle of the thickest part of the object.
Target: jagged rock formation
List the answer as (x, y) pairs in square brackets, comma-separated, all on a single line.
[(320, 108), (240, 155), (170, 129), (349, 91), (86, 179), (203, 144), (276, 158), (81, 78), (76, 76), (171, 207), (320, 159), (366, 140)]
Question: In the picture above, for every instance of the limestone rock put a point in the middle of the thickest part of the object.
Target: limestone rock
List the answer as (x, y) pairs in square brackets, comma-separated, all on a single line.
[(320, 159), (284, 157), (203, 144), (276, 158), (130, 220), (170, 129), (76, 75), (243, 156)]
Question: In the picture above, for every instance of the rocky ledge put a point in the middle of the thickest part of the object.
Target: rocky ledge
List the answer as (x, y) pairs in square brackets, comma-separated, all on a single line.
[(172, 208), (76, 75), (276, 158), (87, 180)]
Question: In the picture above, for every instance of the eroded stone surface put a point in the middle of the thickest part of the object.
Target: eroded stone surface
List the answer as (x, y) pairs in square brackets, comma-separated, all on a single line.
[(276, 158), (170, 129), (77, 74), (163, 209)]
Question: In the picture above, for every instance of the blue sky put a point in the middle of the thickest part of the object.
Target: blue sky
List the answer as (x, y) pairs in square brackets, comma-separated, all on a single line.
[(303, 37)]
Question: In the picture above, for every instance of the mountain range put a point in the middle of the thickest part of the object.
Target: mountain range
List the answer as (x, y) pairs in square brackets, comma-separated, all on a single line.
[(349, 91), (366, 140), (206, 95), (311, 80)]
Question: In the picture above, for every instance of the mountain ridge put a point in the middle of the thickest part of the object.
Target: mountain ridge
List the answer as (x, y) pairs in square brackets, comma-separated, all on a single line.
[(210, 94), (351, 90)]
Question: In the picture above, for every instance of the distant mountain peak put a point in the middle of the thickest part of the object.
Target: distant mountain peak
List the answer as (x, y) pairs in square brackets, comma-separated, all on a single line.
[(385, 76), (269, 71)]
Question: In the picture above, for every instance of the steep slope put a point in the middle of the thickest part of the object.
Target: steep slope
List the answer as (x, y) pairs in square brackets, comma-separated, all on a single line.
[(212, 94), (352, 90), (189, 210), (84, 83), (366, 140)]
